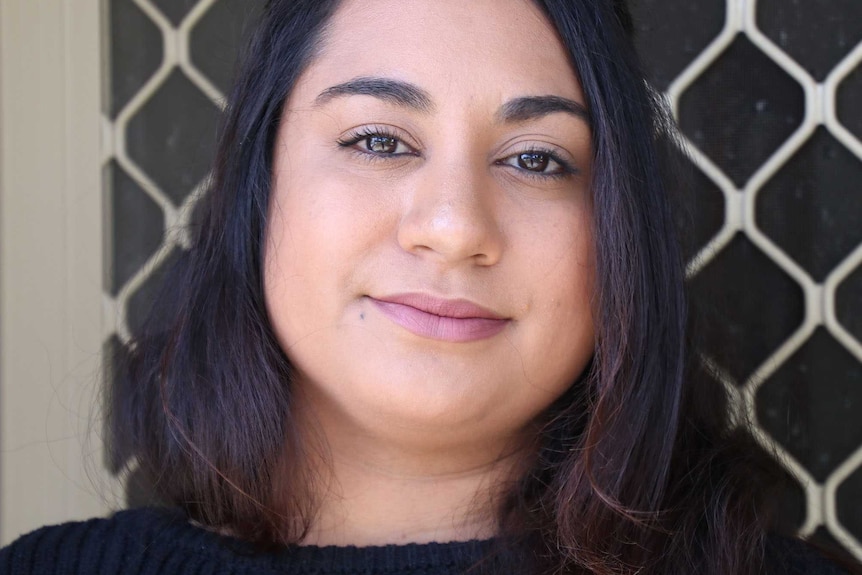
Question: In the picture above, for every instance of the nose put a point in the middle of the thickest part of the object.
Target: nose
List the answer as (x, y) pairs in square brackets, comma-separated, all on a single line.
[(450, 216)]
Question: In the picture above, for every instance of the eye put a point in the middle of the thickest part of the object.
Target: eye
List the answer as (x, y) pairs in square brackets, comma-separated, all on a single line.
[(539, 163), (376, 142), (381, 144), (533, 161)]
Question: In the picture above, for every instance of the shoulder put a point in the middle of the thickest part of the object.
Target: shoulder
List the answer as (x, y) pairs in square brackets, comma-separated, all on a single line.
[(790, 556), (123, 543)]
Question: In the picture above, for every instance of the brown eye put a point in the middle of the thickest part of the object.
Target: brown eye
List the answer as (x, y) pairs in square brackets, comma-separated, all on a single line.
[(377, 143), (533, 161), (381, 144), (539, 163)]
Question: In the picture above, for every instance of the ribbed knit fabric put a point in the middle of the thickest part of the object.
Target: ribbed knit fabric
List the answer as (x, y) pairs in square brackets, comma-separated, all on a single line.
[(150, 541), (161, 542)]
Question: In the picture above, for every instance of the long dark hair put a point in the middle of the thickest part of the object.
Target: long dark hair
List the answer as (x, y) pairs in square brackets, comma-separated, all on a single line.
[(636, 470)]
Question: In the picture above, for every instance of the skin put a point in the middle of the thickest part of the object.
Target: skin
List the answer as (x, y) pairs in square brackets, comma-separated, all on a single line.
[(421, 433)]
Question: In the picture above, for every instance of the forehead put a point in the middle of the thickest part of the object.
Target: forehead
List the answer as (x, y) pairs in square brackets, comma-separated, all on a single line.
[(473, 49)]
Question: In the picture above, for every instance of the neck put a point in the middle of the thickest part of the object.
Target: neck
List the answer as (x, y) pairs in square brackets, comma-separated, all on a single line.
[(383, 491)]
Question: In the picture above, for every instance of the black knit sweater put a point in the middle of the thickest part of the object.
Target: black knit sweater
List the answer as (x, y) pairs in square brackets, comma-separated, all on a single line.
[(149, 541)]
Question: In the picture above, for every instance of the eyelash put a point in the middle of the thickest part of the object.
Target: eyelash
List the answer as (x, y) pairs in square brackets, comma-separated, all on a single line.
[(566, 168), (351, 139)]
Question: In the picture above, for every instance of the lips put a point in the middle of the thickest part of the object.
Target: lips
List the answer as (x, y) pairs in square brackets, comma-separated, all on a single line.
[(454, 320)]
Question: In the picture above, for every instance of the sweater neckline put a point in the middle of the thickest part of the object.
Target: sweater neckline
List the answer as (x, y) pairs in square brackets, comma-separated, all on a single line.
[(171, 527)]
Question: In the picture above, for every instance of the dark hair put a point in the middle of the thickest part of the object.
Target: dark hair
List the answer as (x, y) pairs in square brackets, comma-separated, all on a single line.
[(637, 470)]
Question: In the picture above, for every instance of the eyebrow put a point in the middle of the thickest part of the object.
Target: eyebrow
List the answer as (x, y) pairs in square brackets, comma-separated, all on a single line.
[(411, 96), (395, 91), (533, 107)]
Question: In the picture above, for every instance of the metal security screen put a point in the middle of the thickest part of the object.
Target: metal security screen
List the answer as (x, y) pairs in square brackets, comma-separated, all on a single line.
[(768, 96)]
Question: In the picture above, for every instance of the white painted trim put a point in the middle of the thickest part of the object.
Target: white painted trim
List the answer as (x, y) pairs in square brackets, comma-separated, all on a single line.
[(50, 264)]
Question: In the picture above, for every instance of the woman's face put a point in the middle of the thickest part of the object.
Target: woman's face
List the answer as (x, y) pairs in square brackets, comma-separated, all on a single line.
[(429, 255)]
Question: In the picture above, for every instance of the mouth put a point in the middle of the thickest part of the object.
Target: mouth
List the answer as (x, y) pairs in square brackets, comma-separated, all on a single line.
[(453, 320)]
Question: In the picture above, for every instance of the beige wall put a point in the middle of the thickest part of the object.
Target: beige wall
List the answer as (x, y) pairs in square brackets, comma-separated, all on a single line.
[(50, 253)]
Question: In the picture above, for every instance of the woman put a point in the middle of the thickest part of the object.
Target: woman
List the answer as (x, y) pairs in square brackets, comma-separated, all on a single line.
[(433, 320)]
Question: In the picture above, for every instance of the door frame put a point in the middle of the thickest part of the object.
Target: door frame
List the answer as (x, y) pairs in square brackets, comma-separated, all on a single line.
[(51, 246)]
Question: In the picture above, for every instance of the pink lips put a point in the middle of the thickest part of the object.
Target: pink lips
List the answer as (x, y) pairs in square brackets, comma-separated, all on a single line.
[(455, 320)]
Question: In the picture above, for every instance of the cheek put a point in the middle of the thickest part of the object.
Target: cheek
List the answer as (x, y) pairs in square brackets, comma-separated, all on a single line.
[(283, 285), (558, 254), (318, 241), (295, 254), (563, 274)]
